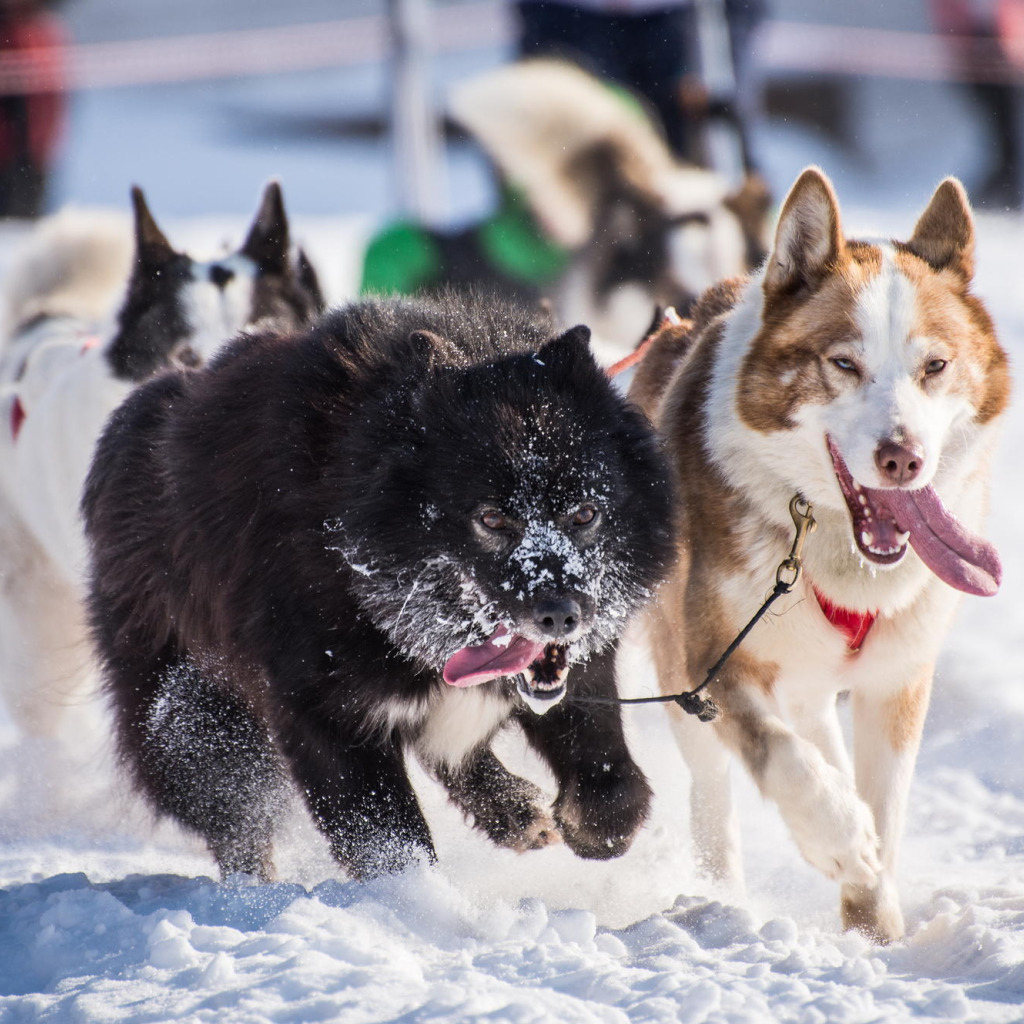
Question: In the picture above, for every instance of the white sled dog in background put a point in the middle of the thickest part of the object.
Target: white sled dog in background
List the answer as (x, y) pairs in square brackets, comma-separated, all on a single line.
[(866, 378), (645, 229), (69, 358)]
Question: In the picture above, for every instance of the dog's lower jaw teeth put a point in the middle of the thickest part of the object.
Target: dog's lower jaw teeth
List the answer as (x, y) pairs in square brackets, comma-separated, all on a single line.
[(540, 697)]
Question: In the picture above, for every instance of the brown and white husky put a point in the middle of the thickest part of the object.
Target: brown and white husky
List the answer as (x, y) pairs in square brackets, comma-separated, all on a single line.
[(865, 377)]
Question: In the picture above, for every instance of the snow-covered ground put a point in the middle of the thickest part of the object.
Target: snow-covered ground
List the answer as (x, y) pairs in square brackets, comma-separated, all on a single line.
[(106, 915)]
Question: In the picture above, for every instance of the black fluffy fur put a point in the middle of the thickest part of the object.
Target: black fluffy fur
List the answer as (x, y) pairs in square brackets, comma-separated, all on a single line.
[(287, 547)]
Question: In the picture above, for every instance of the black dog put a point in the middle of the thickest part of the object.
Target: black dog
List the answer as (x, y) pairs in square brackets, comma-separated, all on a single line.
[(396, 530)]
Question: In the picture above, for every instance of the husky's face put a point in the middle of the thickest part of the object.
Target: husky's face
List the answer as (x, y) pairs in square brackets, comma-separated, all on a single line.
[(535, 517), (875, 372), (179, 311)]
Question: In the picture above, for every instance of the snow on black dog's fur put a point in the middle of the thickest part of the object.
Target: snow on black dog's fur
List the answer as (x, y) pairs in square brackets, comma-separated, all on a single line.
[(294, 548)]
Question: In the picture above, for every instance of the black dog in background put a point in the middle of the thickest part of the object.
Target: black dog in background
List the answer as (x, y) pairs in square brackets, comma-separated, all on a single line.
[(396, 531)]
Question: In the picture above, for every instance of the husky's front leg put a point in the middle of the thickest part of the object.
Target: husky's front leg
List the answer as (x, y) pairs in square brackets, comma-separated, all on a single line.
[(714, 823), (886, 735), (832, 827)]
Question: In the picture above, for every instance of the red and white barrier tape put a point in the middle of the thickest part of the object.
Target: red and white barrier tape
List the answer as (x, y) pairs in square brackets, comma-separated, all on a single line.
[(783, 46)]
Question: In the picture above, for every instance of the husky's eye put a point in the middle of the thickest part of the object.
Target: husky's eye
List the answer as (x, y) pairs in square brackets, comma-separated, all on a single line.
[(584, 515), (935, 366), (844, 364), (494, 520)]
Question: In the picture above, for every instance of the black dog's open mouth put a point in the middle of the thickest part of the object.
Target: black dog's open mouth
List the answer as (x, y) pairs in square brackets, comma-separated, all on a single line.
[(885, 520), (539, 669), (542, 685)]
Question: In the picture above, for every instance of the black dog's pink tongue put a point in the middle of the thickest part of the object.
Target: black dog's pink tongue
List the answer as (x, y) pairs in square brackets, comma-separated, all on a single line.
[(964, 561), (504, 654)]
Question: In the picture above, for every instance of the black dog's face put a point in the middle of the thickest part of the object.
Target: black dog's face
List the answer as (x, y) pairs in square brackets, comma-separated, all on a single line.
[(535, 520)]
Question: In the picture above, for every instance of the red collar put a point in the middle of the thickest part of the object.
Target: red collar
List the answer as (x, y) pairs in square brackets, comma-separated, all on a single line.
[(853, 625)]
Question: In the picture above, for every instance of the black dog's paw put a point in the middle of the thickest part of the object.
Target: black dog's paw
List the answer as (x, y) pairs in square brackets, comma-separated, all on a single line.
[(599, 819), (542, 831), (520, 825)]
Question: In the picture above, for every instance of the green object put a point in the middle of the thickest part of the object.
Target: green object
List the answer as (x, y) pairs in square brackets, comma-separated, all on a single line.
[(515, 245), (401, 259), (405, 257)]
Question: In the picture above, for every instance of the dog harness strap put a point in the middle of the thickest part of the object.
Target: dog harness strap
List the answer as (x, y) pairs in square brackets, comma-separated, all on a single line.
[(855, 626), (17, 417)]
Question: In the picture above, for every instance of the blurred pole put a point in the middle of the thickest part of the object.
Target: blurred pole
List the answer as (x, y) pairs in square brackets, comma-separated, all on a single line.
[(415, 131), (722, 136)]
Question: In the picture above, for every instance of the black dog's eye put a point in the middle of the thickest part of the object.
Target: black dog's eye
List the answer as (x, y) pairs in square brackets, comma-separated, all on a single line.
[(583, 515), (494, 520), (935, 366)]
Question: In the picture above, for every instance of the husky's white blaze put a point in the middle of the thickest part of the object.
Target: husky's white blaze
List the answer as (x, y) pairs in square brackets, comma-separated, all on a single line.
[(215, 313)]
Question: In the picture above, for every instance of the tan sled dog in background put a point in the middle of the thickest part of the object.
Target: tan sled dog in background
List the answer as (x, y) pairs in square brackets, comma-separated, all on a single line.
[(864, 377)]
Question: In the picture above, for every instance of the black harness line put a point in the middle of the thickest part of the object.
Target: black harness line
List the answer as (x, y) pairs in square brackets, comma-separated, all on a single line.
[(694, 702)]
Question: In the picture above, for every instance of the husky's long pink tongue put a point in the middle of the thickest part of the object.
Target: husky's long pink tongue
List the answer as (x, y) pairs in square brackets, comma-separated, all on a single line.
[(504, 654), (964, 561)]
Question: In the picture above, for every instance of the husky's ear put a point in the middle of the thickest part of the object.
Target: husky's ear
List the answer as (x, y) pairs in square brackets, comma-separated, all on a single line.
[(808, 239), (267, 242), (567, 348), (151, 245), (944, 234), (309, 281)]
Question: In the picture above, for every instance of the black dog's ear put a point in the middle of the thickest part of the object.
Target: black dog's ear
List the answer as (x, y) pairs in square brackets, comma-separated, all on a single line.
[(151, 245), (427, 345), (567, 348), (426, 341), (309, 281), (267, 242)]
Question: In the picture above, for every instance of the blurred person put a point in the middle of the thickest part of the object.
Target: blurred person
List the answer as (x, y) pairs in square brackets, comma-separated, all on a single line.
[(651, 47), (31, 111), (987, 37)]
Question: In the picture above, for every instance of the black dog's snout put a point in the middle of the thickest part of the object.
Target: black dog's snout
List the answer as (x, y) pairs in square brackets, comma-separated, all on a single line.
[(220, 275), (557, 618)]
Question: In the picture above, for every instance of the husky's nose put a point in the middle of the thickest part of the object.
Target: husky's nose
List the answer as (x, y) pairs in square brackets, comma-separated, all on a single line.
[(898, 463), (220, 275), (557, 618)]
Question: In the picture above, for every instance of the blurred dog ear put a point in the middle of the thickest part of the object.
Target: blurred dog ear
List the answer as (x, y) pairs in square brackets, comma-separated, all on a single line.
[(267, 242), (151, 245), (309, 281)]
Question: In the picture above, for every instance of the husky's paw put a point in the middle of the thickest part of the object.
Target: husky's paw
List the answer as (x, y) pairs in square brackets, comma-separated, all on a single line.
[(873, 912), (834, 829)]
